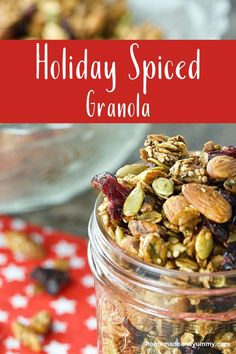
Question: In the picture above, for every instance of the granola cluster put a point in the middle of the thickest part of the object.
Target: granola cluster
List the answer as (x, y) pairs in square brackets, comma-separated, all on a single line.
[(175, 209), (31, 335), (73, 19)]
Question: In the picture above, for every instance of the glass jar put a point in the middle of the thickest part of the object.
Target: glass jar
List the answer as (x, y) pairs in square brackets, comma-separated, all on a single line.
[(147, 309)]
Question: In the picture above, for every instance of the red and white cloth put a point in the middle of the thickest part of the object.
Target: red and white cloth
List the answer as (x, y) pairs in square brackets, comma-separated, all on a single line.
[(73, 310)]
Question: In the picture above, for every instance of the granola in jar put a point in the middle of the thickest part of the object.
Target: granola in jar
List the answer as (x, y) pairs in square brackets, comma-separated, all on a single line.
[(173, 214)]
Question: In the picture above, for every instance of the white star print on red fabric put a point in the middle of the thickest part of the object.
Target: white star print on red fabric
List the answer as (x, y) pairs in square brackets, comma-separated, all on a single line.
[(92, 300), (18, 301), (91, 323), (30, 290), (18, 224), (3, 316), (3, 243), (63, 305), (11, 343), (23, 320), (73, 312), (89, 349), (37, 238), (77, 263), (59, 327), (13, 273), (88, 281), (56, 348), (64, 249), (3, 259)]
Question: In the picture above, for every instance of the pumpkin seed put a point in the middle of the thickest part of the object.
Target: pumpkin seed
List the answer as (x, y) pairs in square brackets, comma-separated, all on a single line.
[(186, 264), (230, 185), (151, 216), (134, 169), (119, 234), (133, 202), (232, 236), (158, 163), (218, 282), (163, 187), (204, 244)]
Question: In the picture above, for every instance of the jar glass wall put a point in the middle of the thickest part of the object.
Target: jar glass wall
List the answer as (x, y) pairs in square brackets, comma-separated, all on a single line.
[(152, 310)]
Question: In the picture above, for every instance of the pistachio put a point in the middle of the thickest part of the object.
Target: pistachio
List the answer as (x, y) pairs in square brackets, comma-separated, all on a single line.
[(204, 244), (133, 202), (134, 169), (153, 249), (163, 187)]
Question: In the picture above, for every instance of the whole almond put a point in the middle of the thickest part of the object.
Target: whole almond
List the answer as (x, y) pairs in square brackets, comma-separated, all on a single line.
[(222, 167), (178, 211), (208, 202)]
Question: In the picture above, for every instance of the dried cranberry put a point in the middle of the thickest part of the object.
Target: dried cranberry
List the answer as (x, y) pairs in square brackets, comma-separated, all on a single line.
[(136, 335), (217, 304), (227, 151), (52, 280), (114, 191), (231, 199), (219, 231), (68, 29), (229, 259), (233, 221), (20, 28)]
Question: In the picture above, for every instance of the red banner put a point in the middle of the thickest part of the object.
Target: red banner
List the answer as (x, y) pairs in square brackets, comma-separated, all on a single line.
[(117, 81)]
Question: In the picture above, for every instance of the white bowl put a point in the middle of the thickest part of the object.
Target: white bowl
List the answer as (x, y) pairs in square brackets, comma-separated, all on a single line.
[(43, 165)]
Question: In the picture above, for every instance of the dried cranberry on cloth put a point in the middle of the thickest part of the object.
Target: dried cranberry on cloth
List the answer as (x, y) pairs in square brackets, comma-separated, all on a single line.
[(73, 309)]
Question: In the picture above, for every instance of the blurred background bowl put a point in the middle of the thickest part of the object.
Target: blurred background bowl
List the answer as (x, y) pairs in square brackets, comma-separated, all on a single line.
[(185, 19), (47, 164)]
